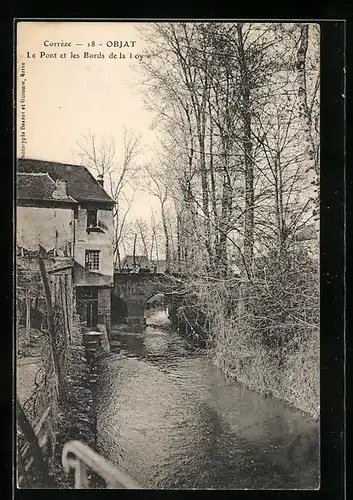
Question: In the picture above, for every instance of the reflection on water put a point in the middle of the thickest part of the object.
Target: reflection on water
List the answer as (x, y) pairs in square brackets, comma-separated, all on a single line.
[(172, 420)]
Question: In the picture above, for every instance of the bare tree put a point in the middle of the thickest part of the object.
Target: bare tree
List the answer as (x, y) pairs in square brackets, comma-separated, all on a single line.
[(97, 154), (159, 189), (100, 155), (237, 177), (144, 233)]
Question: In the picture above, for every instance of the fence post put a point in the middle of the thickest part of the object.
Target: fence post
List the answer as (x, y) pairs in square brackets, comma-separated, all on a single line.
[(51, 329), (28, 316), (65, 306)]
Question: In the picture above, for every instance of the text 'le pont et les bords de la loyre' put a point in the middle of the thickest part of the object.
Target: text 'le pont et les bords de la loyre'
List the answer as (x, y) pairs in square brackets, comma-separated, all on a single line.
[(49, 45)]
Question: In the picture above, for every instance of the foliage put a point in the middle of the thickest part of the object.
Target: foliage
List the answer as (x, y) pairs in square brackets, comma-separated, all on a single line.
[(238, 120)]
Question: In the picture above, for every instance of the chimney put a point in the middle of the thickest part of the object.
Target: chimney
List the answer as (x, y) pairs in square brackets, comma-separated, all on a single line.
[(60, 191), (100, 180)]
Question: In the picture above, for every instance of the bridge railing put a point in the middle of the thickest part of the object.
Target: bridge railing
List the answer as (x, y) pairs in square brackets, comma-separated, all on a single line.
[(81, 458)]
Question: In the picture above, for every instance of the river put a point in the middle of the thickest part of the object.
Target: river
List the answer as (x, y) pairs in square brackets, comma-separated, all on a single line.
[(172, 420)]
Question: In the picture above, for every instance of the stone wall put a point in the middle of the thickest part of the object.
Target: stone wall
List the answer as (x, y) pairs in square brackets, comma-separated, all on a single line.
[(105, 345)]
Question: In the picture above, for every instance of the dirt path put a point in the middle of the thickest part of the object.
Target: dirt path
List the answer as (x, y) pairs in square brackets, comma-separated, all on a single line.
[(27, 369)]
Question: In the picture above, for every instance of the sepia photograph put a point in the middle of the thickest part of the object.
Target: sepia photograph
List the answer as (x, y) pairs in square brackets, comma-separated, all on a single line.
[(167, 255)]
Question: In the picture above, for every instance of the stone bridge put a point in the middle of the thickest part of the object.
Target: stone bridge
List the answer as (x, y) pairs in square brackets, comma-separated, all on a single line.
[(131, 291)]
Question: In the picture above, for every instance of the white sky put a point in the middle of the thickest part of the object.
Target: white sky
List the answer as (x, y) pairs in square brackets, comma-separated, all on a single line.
[(67, 97)]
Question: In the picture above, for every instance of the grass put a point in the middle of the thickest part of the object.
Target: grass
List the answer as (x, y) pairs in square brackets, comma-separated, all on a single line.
[(294, 379)]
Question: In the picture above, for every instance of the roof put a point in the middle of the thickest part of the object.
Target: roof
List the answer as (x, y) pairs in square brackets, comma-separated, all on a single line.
[(140, 259), (307, 233), (37, 187), (66, 264), (81, 185)]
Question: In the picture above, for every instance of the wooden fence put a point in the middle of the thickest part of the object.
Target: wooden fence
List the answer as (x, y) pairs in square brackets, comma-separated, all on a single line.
[(37, 419), (33, 449)]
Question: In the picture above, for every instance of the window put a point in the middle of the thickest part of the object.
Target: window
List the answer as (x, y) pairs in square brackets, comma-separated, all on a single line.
[(92, 260), (92, 218)]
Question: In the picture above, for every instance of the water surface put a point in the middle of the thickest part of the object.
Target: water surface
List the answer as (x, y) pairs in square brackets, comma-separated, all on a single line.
[(172, 420)]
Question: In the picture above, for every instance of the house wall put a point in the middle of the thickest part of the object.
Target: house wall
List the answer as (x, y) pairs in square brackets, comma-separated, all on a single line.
[(102, 241), (38, 226)]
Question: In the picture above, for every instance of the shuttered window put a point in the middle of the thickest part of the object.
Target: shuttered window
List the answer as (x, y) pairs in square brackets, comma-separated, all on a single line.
[(92, 260)]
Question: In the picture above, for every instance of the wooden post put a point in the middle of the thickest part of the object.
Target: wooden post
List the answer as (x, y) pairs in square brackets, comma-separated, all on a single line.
[(28, 316), (32, 440), (51, 330), (67, 306), (62, 290)]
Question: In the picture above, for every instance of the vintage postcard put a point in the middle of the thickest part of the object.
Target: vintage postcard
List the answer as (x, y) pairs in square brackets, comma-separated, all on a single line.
[(167, 255)]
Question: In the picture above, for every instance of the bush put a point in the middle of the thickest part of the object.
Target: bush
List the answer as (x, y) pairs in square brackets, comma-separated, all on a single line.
[(265, 333)]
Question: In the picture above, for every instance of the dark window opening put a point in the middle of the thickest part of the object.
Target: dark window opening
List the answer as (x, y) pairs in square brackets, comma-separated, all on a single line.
[(87, 305), (87, 293), (92, 218)]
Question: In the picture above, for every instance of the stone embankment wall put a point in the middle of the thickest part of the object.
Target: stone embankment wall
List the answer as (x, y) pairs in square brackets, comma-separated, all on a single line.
[(104, 338)]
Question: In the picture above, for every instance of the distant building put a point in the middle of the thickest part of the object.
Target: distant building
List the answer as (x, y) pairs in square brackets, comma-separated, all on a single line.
[(137, 263), (160, 265), (307, 239), (141, 263), (63, 211)]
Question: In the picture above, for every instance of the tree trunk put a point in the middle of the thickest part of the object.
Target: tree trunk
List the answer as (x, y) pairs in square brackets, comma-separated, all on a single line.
[(312, 167), (213, 190), (166, 236), (248, 157), (204, 185), (134, 252), (224, 224), (179, 247), (143, 241), (279, 205), (118, 258), (152, 246)]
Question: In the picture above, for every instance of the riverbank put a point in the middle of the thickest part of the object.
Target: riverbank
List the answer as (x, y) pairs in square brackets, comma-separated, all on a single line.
[(294, 380), (264, 334)]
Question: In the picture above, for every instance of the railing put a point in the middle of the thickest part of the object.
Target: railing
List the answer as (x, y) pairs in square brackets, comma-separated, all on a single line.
[(81, 458)]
